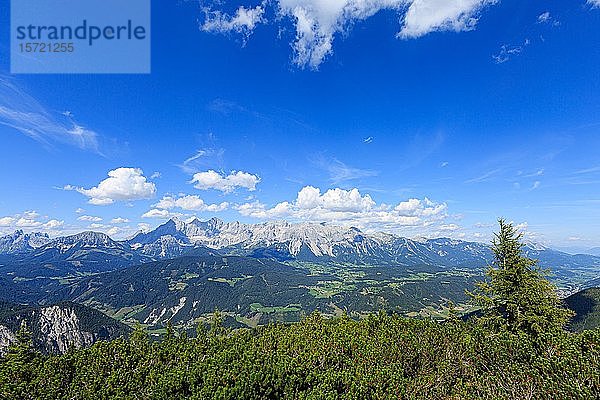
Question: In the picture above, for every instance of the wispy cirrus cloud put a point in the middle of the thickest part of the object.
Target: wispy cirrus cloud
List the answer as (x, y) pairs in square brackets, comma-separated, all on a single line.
[(203, 158), (509, 51), (318, 22), (485, 176), (547, 18), (25, 114), (338, 171), (590, 170)]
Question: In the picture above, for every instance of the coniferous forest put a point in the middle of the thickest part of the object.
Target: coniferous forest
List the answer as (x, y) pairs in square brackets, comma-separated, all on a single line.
[(515, 347)]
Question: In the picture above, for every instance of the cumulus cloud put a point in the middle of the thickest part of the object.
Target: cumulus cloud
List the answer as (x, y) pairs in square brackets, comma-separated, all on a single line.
[(7, 221), (156, 213), (27, 222), (594, 3), (425, 16), (243, 21), (189, 203), (53, 224), (318, 22), (352, 208), (30, 219), (144, 227), (22, 112), (89, 218), (334, 199), (119, 220), (122, 184), (225, 183)]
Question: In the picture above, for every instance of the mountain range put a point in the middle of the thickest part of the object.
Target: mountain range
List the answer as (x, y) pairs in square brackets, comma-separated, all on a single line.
[(182, 271)]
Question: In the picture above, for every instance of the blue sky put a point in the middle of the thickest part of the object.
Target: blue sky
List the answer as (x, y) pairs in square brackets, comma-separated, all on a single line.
[(390, 115)]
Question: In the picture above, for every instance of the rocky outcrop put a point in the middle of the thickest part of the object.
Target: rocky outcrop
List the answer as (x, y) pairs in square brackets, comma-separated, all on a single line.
[(57, 328)]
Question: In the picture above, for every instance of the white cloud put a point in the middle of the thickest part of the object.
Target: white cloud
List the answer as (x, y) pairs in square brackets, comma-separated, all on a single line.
[(22, 112), (53, 224), (547, 18), (227, 184), (31, 214), (352, 208), (25, 222), (7, 221), (536, 185), (508, 51), (204, 158), (425, 16), (318, 22), (155, 175), (144, 227), (340, 172), (156, 213), (122, 184), (30, 219), (594, 3), (80, 210), (114, 230), (334, 199), (189, 203), (244, 21), (449, 227), (544, 17), (119, 220), (89, 218)]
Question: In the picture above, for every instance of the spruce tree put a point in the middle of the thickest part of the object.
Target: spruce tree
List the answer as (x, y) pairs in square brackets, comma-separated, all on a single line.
[(517, 295)]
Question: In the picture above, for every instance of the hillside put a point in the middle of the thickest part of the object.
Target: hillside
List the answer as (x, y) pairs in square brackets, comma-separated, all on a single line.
[(586, 305), (256, 291), (379, 357), (58, 327)]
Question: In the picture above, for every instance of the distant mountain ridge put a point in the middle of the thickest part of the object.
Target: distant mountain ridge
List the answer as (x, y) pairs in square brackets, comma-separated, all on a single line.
[(303, 241), (92, 252), (20, 242), (82, 253)]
